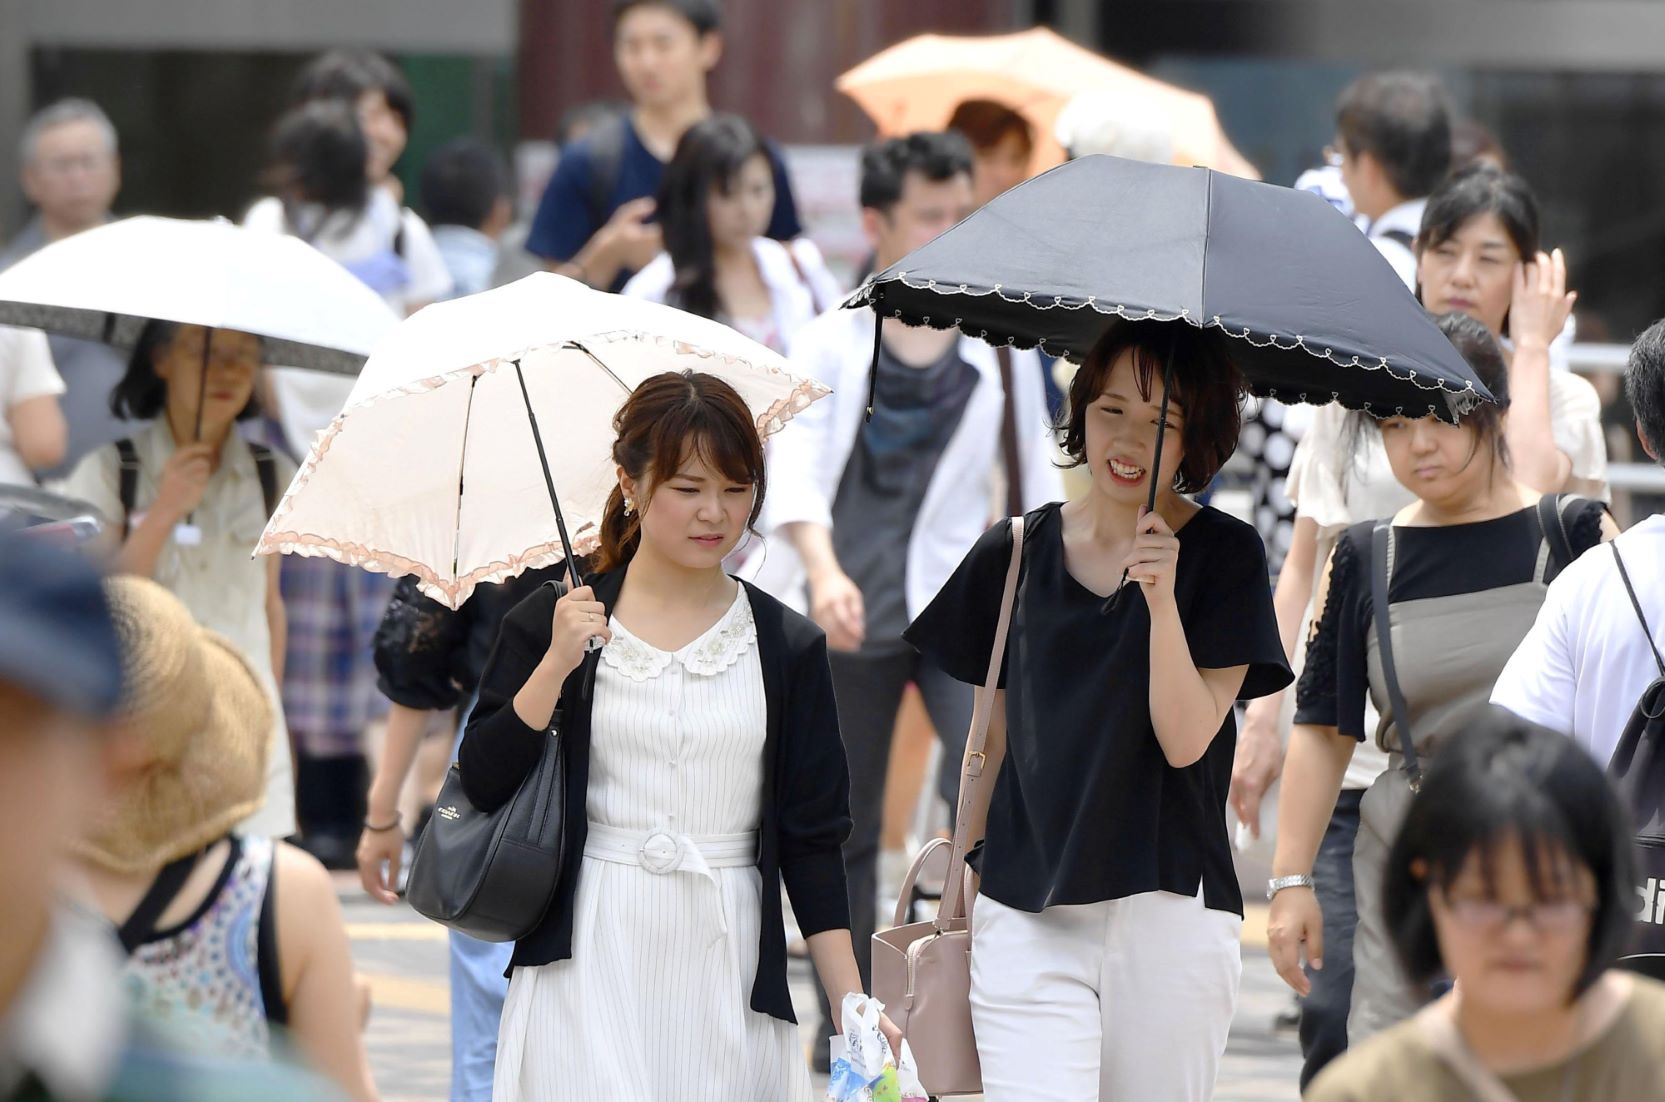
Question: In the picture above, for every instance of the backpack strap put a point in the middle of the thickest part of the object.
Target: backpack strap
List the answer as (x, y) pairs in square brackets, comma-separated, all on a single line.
[(1403, 237), (265, 466), (1552, 520), (127, 489), (1624, 575), (606, 143), (141, 924), (1381, 570)]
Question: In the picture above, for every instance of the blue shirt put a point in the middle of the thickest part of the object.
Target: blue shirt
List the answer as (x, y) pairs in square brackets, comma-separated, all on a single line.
[(564, 221)]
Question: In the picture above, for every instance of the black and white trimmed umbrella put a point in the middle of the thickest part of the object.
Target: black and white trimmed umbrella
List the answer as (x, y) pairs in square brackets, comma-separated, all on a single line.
[(106, 284), (1320, 315)]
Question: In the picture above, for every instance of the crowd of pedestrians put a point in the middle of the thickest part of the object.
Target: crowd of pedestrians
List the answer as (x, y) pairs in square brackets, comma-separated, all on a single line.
[(195, 735)]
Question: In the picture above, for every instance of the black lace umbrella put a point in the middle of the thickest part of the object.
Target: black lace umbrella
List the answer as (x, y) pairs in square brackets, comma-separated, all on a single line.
[(1052, 263), (1320, 315)]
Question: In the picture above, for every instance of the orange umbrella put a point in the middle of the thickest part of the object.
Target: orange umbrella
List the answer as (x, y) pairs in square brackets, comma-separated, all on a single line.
[(917, 84)]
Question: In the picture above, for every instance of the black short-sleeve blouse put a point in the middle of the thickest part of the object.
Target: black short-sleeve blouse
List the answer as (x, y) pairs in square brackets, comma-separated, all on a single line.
[(1086, 807)]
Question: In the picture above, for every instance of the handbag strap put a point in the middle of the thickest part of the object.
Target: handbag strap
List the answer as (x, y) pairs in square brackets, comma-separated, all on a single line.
[(1647, 632), (1381, 572), (972, 772)]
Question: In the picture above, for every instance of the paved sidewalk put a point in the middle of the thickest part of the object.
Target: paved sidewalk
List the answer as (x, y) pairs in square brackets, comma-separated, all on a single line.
[(404, 957)]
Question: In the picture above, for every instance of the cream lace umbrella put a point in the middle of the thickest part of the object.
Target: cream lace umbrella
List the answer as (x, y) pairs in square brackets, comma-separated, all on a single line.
[(433, 468)]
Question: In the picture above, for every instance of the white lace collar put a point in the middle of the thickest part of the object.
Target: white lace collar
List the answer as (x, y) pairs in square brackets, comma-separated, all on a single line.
[(721, 646)]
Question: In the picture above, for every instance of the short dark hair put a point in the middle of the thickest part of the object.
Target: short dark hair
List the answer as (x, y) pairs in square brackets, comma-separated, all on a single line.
[(1501, 778), (1645, 385), (461, 182), (348, 74), (705, 16), (1208, 389), (1402, 120), (316, 155), (986, 123), (142, 394), (1476, 189), (937, 155)]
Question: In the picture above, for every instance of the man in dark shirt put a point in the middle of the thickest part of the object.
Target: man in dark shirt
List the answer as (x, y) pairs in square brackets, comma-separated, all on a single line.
[(595, 221)]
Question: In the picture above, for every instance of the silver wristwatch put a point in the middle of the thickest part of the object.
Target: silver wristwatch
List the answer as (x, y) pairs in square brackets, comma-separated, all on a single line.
[(1279, 883)]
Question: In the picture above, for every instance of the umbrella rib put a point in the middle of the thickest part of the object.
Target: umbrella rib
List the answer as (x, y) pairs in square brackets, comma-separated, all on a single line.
[(605, 369), (462, 461)]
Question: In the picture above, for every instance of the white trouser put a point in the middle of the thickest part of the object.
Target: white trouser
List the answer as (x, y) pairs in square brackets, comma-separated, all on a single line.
[(1128, 1000)]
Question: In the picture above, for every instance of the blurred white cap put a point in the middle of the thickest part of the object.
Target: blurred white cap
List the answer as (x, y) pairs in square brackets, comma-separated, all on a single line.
[(1103, 121)]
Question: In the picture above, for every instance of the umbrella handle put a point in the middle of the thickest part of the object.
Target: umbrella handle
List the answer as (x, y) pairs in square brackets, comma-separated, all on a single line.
[(554, 498), (1156, 464)]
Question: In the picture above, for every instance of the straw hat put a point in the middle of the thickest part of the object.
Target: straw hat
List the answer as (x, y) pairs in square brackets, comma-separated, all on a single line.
[(203, 726)]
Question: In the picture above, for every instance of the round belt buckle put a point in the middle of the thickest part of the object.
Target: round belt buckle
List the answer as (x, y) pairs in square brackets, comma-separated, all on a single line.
[(660, 853)]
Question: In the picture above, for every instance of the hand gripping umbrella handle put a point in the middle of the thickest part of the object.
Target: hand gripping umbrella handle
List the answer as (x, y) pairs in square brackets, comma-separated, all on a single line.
[(1156, 463), (594, 643)]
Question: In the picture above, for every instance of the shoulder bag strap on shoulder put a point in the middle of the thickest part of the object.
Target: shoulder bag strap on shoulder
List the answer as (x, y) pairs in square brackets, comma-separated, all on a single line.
[(803, 277), (1381, 567), (1635, 603), (974, 777), (127, 489)]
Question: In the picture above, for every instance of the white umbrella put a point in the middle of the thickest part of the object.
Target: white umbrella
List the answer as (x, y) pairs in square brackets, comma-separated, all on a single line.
[(105, 284), (433, 468)]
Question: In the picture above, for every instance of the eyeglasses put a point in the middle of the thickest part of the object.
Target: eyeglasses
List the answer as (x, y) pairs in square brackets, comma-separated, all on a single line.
[(1550, 916)]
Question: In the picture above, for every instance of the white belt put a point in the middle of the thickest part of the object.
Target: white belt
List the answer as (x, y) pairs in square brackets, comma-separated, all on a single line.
[(662, 852)]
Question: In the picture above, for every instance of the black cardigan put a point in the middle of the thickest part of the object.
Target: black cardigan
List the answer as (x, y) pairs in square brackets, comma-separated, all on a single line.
[(806, 785)]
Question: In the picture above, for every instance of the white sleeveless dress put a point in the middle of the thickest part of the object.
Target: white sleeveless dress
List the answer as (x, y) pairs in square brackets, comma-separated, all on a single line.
[(655, 1001)]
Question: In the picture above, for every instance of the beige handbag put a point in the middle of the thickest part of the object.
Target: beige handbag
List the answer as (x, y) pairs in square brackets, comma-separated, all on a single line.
[(922, 971)]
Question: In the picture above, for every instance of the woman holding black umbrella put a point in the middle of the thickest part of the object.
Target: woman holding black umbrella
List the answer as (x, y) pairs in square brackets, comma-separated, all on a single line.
[(1109, 914)]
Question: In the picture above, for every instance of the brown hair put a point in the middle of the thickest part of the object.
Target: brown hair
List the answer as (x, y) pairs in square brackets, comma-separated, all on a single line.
[(669, 418), (986, 123), (1208, 389)]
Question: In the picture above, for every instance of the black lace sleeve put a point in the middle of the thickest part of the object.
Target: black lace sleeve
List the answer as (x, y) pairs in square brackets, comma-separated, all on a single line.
[(417, 647), (1319, 695)]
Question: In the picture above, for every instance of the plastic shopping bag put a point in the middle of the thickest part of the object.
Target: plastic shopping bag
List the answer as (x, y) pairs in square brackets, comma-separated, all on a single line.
[(863, 1067)]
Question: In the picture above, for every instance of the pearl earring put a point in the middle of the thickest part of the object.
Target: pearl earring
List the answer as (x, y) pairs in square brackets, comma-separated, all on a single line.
[(629, 506)]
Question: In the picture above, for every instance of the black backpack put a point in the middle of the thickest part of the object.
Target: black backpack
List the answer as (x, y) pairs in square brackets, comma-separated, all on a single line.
[(1638, 772)]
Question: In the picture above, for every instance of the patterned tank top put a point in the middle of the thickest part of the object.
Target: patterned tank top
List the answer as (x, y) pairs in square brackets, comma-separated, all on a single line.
[(201, 980)]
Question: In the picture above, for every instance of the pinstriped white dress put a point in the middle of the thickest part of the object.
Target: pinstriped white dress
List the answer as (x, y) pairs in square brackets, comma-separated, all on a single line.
[(654, 1003)]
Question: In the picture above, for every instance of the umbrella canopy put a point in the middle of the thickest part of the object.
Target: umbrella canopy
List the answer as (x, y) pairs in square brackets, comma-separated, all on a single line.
[(106, 284), (433, 467), (917, 84), (1321, 315)]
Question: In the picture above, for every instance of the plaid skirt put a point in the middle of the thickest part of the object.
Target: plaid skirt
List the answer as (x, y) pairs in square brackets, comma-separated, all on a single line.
[(329, 672)]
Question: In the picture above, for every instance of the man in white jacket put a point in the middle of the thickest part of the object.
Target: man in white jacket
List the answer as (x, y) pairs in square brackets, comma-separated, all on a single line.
[(869, 518)]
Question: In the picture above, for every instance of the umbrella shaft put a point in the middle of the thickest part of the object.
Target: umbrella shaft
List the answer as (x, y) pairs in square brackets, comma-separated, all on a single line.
[(548, 480), (1155, 463)]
